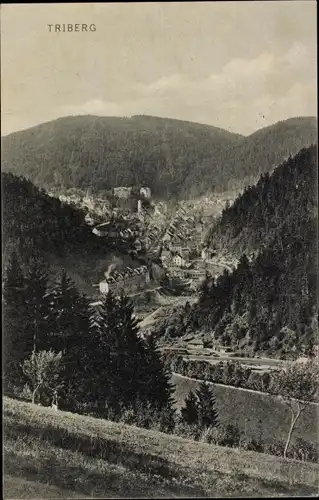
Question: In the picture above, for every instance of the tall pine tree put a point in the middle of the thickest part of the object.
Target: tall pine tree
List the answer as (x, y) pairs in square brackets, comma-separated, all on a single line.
[(16, 343), (68, 331), (36, 302), (206, 407), (127, 370), (159, 391), (189, 412)]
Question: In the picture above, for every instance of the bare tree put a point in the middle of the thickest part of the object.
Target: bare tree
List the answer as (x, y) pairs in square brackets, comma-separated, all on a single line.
[(298, 386)]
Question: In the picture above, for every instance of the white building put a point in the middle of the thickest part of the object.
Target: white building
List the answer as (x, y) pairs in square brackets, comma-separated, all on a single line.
[(104, 287), (195, 344), (139, 206), (179, 261), (106, 229), (146, 192)]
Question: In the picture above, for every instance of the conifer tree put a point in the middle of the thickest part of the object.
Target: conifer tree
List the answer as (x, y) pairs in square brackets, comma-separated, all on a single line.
[(130, 356), (104, 358), (68, 314), (16, 343), (68, 331), (157, 378), (37, 303), (207, 413), (189, 412), (127, 369)]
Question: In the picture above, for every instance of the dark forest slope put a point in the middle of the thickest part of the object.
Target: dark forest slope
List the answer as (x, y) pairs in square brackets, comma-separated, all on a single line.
[(268, 147), (36, 224), (267, 303), (285, 198), (173, 157)]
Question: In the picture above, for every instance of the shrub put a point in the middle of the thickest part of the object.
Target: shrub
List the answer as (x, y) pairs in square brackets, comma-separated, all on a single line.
[(187, 431), (210, 435), (276, 448), (229, 436), (305, 451)]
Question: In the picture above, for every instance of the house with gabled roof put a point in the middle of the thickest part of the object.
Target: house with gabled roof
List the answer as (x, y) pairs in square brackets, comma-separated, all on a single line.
[(179, 260)]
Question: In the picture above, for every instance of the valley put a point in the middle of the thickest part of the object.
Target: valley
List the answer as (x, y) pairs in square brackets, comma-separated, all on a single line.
[(192, 306), (160, 250)]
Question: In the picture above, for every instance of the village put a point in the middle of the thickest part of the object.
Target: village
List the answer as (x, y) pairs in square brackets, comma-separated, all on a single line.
[(174, 237)]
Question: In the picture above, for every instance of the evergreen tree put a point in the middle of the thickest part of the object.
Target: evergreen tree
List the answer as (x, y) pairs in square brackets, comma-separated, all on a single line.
[(158, 390), (113, 362), (16, 343), (68, 332), (66, 314), (207, 413), (128, 361), (127, 369), (189, 413), (99, 354), (37, 303)]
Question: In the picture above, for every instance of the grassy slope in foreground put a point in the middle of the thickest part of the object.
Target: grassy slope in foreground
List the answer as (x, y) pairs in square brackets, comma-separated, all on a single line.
[(100, 458)]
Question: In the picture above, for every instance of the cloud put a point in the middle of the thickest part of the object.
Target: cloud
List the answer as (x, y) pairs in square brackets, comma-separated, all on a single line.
[(245, 95)]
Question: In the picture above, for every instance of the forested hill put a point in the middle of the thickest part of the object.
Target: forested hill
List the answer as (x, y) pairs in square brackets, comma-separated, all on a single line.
[(103, 152), (38, 225), (268, 303), (172, 157), (285, 199), (263, 150)]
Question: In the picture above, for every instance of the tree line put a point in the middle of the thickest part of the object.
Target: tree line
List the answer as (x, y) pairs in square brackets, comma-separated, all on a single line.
[(237, 375), (92, 360), (54, 341), (86, 358)]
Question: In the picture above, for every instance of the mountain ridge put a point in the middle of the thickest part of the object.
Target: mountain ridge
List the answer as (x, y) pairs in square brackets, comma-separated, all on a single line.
[(175, 158)]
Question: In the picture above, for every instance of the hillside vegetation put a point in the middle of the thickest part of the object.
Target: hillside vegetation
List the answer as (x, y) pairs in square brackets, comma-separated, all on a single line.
[(268, 147), (268, 302), (259, 416), (281, 202), (36, 224), (103, 459), (172, 157)]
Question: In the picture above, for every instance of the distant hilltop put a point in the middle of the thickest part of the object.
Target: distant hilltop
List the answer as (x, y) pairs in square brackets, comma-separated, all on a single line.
[(174, 159)]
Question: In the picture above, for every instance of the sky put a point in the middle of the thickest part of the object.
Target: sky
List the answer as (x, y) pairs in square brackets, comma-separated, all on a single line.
[(235, 65)]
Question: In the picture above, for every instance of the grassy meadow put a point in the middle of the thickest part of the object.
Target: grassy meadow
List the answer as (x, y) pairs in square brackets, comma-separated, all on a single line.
[(257, 414), (50, 454)]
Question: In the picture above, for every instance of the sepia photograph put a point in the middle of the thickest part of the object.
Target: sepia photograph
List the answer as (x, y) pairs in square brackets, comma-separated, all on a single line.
[(159, 250)]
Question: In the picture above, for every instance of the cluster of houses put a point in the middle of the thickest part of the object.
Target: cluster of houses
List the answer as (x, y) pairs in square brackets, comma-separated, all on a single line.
[(179, 265), (129, 281), (126, 192), (124, 227), (93, 206), (176, 256)]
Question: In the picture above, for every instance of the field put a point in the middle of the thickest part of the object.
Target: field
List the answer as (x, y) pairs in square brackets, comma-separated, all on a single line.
[(257, 414), (51, 454)]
